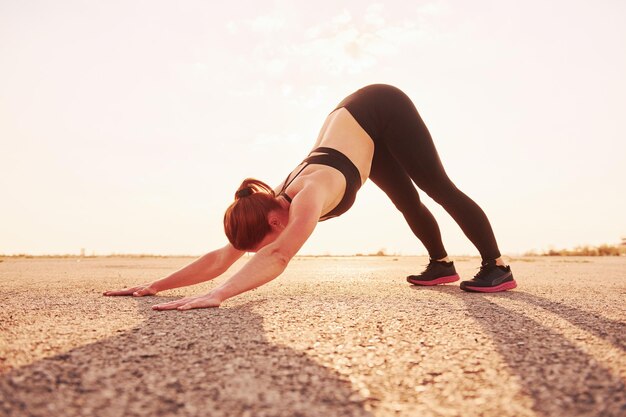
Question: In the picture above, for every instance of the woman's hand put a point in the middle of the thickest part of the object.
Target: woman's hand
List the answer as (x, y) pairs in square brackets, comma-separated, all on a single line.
[(138, 291), (187, 303)]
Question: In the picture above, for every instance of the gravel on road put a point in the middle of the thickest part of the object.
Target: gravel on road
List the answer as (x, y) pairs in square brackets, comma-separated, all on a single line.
[(332, 336)]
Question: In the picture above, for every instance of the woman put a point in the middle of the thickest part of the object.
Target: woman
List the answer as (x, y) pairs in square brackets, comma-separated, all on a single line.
[(375, 133)]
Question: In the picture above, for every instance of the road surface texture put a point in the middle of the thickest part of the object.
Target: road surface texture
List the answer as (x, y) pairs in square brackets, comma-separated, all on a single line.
[(330, 337)]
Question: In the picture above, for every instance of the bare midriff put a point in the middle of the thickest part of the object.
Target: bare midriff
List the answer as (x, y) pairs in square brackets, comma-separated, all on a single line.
[(342, 132)]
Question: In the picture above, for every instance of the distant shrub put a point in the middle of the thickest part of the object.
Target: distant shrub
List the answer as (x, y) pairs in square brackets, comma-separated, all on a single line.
[(381, 252), (607, 250), (602, 250)]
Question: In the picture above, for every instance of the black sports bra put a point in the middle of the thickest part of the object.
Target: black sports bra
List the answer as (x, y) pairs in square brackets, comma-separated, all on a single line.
[(332, 158)]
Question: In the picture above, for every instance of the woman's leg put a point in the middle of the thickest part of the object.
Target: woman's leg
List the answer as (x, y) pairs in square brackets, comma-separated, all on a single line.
[(387, 174), (409, 141)]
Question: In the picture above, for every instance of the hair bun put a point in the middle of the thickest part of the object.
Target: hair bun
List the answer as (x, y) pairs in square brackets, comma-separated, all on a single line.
[(251, 186), (244, 192)]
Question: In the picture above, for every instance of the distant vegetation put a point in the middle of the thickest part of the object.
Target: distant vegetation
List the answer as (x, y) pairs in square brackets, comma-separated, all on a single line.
[(602, 250), (586, 250), (113, 255), (381, 252)]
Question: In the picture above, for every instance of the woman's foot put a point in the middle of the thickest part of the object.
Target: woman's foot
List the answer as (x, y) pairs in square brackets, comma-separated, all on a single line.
[(491, 278), (436, 272)]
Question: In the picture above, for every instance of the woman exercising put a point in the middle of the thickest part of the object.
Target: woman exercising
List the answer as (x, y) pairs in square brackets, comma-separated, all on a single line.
[(375, 133)]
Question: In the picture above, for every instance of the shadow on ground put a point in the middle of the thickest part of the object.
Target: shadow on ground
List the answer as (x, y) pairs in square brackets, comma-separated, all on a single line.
[(611, 331), (560, 377), (214, 362)]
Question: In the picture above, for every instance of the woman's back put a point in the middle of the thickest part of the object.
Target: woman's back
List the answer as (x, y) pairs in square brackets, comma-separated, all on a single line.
[(342, 133)]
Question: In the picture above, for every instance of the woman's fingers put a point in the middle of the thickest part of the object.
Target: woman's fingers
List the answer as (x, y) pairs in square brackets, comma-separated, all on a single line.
[(202, 302), (144, 291), (137, 291), (167, 306), (179, 302), (172, 304), (188, 303), (126, 291)]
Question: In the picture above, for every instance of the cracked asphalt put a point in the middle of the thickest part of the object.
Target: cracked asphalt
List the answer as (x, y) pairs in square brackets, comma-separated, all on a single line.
[(345, 336)]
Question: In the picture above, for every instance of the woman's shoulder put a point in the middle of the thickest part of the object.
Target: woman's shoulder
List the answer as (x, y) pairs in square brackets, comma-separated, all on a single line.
[(312, 176)]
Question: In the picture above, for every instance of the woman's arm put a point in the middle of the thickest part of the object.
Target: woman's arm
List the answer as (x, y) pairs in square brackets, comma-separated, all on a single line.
[(270, 261), (205, 268)]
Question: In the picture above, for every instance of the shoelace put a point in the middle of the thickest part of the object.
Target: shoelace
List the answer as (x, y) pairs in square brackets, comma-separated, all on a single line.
[(484, 270), (430, 265)]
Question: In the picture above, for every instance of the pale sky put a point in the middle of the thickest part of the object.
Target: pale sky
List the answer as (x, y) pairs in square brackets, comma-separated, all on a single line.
[(126, 126)]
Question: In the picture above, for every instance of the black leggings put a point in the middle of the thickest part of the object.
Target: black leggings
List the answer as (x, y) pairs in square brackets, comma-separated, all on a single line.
[(404, 151)]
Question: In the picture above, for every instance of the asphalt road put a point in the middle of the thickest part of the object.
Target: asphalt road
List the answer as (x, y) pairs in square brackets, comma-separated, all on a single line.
[(330, 337)]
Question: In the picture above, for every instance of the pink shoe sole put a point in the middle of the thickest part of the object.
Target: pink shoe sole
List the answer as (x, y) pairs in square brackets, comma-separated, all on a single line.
[(502, 287), (442, 280)]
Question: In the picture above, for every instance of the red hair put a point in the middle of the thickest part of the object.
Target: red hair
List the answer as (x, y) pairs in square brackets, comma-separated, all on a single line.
[(245, 220)]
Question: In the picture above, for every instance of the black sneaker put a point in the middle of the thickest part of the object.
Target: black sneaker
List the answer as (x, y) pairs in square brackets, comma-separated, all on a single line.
[(490, 278), (436, 272)]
